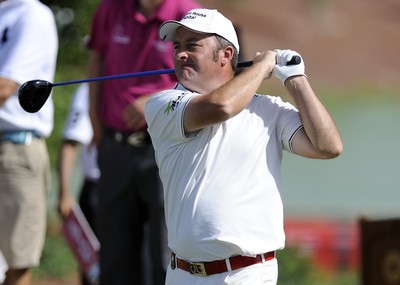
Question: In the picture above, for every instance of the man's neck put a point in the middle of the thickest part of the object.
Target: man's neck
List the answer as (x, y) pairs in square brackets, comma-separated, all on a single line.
[(149, 7)]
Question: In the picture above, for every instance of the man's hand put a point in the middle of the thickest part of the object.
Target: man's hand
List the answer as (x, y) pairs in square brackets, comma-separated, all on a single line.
[(283, 71), (7, 88), (267, 58), (65, 203), (97, 127), (133, 115)]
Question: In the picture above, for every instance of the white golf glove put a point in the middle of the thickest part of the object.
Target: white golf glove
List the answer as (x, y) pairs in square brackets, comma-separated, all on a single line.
[(283, 71)]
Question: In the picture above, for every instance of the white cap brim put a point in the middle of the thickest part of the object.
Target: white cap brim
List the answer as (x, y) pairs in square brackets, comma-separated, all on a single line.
[(168, 29)]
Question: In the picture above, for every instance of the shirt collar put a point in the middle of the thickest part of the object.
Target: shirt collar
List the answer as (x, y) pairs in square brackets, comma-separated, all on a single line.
[(180, 87), (165, 12)]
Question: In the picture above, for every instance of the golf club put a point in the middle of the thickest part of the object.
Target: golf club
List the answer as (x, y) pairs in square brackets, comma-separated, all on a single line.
[(33, 94)]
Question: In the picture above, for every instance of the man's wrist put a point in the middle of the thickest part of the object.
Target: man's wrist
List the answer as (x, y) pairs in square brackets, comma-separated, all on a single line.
[(296, 79)]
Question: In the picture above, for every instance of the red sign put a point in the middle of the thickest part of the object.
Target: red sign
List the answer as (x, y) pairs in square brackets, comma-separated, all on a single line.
[(83, 243), (331, 245)]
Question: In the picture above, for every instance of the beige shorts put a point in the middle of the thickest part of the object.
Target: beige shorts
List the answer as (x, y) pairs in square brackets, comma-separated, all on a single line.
[(24, 183)]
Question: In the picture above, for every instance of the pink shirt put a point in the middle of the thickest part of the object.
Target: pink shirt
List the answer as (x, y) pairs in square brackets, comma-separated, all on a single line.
[(129, 43)]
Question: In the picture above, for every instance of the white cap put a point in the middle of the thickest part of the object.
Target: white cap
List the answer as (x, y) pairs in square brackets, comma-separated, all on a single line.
[(202, 21)]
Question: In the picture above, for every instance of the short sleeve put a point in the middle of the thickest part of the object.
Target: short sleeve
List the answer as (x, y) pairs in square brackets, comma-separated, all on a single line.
[(289, 123), (164, 117)]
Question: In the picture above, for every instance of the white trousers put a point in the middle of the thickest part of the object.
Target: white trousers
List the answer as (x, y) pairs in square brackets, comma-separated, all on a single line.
[(257, 274)]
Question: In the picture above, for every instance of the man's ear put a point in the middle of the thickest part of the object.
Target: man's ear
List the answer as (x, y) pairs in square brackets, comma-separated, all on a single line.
[(228, 54)]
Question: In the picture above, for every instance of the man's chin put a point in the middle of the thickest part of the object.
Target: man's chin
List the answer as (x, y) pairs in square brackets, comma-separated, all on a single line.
[(185, 76), (186, 73), (188, 85)]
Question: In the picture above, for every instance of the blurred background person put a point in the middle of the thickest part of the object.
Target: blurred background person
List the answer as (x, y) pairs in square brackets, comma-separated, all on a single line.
[(3, 268), (28, 50), (124, 39), (78, 134)]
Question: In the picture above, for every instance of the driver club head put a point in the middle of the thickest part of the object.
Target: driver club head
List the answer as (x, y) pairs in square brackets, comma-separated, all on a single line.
[(32, 95)]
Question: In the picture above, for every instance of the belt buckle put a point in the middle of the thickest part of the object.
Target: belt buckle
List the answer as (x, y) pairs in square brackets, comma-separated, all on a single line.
[(173, 261), (137, 139), (118, 137), (197, 269)]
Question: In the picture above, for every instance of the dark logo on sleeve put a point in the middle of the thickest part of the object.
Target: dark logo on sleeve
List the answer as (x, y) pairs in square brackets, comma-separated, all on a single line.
[(4, 37), (173, 104)]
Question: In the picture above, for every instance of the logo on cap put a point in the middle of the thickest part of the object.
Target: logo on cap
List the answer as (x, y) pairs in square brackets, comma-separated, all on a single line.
[(192, 15)]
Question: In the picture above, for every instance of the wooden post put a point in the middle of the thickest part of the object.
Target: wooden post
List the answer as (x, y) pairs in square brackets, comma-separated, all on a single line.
[(380, 251)]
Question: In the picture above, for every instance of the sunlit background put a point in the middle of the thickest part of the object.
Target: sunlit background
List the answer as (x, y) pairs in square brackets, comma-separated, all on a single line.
[(351, 51)]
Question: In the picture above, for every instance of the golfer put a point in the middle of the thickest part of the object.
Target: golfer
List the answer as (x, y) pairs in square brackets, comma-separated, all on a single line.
[(219, 148)]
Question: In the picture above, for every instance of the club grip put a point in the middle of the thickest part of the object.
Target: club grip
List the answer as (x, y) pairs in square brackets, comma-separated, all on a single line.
[(295, 60)]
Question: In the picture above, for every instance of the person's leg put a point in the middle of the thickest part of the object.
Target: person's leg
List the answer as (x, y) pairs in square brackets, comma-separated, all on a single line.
[(24, 182), (87, 203), (120, 216), (152, 195), (18, 277), (257, 274)]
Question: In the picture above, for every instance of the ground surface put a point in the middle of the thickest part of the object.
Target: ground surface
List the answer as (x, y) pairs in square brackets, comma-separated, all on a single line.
[(71, 280), (343, 42)]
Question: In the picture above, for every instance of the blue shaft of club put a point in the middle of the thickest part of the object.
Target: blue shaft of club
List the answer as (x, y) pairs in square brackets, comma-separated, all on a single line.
[(294, 60), (127, 75)]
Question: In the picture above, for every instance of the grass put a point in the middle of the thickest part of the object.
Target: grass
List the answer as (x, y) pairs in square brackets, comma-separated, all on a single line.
[(57, 260)]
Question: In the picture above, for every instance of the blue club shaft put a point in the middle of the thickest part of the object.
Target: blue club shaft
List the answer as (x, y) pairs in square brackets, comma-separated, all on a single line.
[(120, 76), (295, 60)]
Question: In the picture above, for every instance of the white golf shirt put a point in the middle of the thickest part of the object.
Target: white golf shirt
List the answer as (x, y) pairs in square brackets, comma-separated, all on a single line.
[(222, 185), (28, 51), (79, 128)]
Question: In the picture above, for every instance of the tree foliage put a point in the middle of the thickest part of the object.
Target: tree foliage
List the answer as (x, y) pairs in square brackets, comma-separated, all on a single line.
[(73, 23)]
